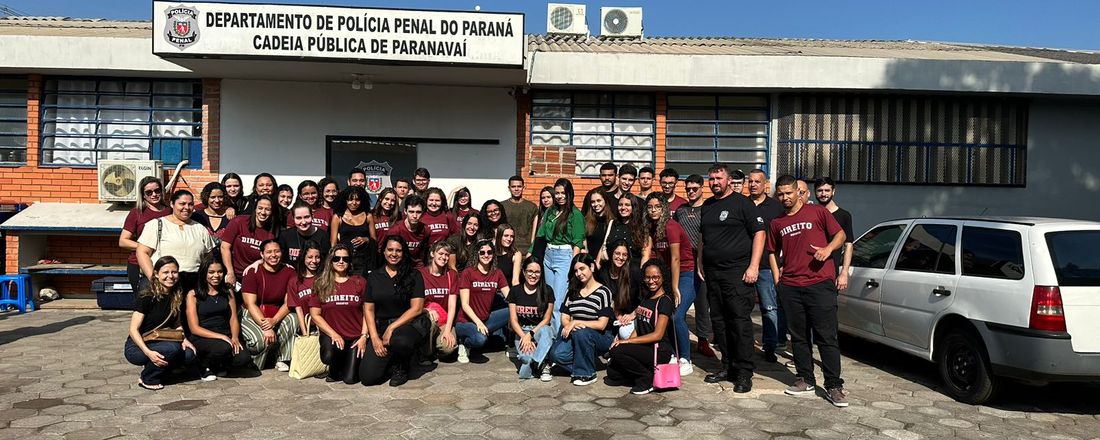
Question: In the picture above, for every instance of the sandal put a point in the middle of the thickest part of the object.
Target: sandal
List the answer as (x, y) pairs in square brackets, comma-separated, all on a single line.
[(155, 387)]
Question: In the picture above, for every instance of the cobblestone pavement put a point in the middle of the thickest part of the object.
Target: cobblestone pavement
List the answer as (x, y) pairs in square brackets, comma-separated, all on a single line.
[(62, 374)]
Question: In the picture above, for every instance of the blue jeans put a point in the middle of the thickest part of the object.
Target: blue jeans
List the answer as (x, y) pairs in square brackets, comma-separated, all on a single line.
[(774, 323), (577, 353), (173, 352), (543, 339), (555, 267), (679, 319), (467, 333)]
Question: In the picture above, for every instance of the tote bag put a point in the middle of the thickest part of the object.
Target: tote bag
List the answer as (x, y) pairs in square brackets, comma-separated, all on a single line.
[(305, 359), (667, 375)]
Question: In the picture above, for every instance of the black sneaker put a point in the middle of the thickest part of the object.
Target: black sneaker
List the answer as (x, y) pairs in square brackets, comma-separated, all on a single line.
[(837, 397), (331, 379), (743, 385), (399, 377), (770, 357), (641, 389), (717, 377), (582, 381)]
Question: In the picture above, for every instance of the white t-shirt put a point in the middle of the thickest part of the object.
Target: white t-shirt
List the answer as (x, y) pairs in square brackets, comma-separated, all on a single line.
[(187, 243)]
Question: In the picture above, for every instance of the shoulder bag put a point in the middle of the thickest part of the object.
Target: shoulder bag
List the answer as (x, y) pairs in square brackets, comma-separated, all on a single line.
[(666, 376), (305, 358), (162, 334)]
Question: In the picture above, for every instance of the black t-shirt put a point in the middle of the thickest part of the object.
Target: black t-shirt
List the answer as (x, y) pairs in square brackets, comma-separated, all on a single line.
[(727, 228), (382, 292), (595, 240), (213, 312), (845, 219), (527, 308), (645, 320), (603, 275), (293, 242), (155, 312), (770, 209), (620, 231)]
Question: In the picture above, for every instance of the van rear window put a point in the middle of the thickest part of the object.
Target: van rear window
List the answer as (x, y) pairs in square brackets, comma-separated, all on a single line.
[(1075, 257)]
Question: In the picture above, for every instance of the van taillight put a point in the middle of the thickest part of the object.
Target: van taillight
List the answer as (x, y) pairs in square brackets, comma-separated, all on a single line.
[(1046, 309)]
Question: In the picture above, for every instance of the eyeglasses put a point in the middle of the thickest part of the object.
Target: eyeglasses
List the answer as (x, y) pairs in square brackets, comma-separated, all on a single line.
[(340, 259), (668, 183), (485, 252), (692, 189), (152, 192), (656, 278)]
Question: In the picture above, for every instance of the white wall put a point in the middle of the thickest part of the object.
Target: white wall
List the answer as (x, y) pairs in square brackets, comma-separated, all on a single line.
[(1063, 176), (280, 128)]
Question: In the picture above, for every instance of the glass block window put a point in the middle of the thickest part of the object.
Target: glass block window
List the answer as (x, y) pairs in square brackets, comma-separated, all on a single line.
[(703, 130), (904, 139), (13, 120), (602, 127), (88, 119)]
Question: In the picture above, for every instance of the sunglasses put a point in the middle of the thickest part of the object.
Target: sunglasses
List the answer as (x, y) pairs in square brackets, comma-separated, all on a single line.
[(485, 252), (152, 192), (341, 259), (690, 189)]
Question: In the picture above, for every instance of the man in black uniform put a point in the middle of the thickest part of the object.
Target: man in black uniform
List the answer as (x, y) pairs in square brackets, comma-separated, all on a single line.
[(732, 235), (825, 190)]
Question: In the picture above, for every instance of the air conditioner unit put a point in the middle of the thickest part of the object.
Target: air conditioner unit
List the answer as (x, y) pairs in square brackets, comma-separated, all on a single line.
[(118, 179), (567, 19), (620, 22)]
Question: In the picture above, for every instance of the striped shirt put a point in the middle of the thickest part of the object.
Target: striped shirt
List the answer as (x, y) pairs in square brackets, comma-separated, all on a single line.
[(688, 217), (589, 308)]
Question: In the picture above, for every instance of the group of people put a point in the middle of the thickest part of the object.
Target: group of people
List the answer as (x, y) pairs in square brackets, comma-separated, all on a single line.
[(230, 280)]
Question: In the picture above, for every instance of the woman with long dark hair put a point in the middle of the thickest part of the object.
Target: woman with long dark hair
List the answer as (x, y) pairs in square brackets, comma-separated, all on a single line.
[(596, 221), (175, 235), (491, 215), (482, 314), (625, 282), (632, 357), (310, 194), (285, 196), (306, 268), (212, 322), (330, 189), (269, 322), (149, 207), (157, 308), (385, 213), (461, 203), (507, 259), (529, 317), (337, 308), (304, 233), (351, 227), (395, 302), (562, 230), (214, 213), (242, 237), (440, 301), (585, 315), (463, 243), (439, 221), (546, 201), (263, 184), (234, 192), (673, 246), (629, 225)]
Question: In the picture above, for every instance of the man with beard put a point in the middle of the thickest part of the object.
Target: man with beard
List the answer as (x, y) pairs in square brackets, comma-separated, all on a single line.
[(825, 190), (771, 317)]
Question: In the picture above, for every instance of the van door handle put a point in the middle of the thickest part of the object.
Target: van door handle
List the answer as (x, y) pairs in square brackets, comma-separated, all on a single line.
[(871, 284), (941, 292)]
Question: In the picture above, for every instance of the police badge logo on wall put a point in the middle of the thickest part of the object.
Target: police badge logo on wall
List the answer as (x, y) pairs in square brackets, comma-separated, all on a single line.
[(378, 175), (182, 26)]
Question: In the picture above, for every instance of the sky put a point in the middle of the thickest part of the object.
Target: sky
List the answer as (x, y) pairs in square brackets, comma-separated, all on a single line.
[(1050, 23)]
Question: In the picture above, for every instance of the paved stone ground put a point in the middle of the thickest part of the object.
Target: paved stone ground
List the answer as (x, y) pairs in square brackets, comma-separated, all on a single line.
[(62, 374)]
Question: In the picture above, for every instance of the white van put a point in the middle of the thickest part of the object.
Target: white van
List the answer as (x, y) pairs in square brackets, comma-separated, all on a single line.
[(983, 297)]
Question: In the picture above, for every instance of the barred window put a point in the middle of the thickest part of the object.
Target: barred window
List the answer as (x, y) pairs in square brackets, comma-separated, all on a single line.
[(13, 120), (904, 139), (602, 127), (706, 129), (85, 119)]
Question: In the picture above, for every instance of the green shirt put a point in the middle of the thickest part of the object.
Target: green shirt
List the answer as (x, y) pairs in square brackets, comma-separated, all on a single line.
[(574, 230)]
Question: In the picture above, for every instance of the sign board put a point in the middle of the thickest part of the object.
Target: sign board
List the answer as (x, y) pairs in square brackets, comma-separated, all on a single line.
[(241, 30), (378, 175)]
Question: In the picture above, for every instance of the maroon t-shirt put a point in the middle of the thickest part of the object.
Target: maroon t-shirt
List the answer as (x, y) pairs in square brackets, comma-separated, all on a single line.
[(438, 289), (135, 223), (343, 310), (812, 225), (674, 233), (269, 287), (245, 244), (322, 218), (483, 288), (298, 292), (676, 202), (381, 227), (440, 226), (417, 241)]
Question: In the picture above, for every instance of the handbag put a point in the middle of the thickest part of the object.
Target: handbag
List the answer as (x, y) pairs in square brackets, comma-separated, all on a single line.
[(666, 375), (305, 358), (160, 334)]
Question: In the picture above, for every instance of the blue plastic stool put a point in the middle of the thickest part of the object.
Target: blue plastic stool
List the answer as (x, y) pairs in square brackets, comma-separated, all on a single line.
[(23, 287)]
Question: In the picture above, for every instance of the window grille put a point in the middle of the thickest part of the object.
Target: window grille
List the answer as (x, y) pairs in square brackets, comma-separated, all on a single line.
[(602, 127)]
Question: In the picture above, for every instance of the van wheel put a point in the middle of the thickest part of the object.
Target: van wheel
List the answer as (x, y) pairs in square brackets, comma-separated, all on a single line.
[(964, 367)]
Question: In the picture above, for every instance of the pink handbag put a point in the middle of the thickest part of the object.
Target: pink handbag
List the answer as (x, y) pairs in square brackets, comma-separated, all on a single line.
[(666, 376)]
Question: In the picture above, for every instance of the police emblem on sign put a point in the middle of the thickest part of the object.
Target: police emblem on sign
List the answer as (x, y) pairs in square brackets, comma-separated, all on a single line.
[(182, 26), (378, 175)]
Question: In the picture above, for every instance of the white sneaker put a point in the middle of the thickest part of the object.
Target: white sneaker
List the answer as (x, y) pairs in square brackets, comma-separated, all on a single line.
[(546, 376), (209, 376), (463, 354), (685, 367), (282, 366)]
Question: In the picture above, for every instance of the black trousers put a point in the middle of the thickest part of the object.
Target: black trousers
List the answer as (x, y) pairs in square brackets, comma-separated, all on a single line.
[(216, 354), (813, 308), (133, 273), (342, 364), (404, 342), (633, 363), (731, 302)]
